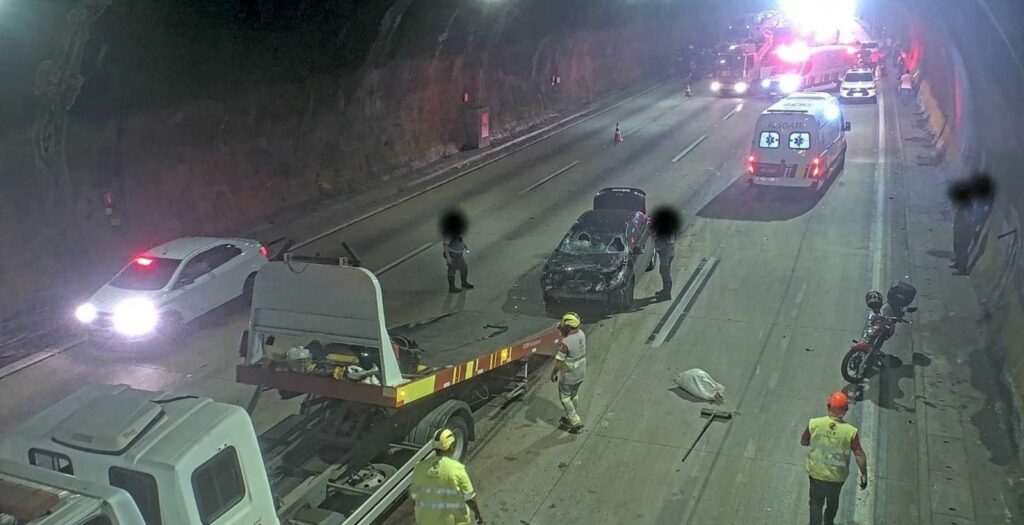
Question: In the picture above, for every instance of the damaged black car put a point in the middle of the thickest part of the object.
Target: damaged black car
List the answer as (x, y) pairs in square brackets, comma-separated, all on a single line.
[(599, 257)]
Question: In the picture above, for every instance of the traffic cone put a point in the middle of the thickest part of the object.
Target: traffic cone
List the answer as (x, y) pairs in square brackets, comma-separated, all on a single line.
[(689, 93), (618, 133)]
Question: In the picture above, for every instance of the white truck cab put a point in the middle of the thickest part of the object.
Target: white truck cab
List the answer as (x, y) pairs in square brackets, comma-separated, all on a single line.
[(183, 460), (799, 141)]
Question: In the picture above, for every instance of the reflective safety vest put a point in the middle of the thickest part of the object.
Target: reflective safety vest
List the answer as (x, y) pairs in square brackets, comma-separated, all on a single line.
[(441, 487), (829, 457)]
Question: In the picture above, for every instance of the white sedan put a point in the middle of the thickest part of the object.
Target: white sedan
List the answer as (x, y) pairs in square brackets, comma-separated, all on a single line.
[(858, 84), (174, 283)]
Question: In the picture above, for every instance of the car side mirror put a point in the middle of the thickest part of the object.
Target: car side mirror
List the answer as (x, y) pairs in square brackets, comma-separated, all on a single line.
[(184, 282), (846, 126), (910, 309)]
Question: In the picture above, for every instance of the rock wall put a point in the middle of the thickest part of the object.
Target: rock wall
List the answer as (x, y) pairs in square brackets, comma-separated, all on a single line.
[(205, 119), (970, 62)]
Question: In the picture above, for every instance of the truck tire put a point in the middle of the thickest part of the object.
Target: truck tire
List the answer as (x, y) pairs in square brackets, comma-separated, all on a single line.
[(454, 414)]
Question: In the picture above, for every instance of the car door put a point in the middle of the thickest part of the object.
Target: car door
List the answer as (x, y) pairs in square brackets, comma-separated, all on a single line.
[(227, 274), (190, 295)]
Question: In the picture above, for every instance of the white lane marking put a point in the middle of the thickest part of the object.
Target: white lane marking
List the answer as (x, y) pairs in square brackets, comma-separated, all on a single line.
[(689, 148), (864, 510), (391, 265), (735, 110), (1006, 40), (474, 158), (32, 359), (685, 302), (549, 177)]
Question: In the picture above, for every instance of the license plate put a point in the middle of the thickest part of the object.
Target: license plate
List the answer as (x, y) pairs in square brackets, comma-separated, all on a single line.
[(766, 179)]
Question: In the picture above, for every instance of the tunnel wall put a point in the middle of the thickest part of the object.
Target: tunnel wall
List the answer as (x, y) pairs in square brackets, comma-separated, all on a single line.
[(215, 148), (968, 57)]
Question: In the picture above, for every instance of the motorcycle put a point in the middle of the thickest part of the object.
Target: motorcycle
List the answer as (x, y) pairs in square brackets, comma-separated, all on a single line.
[(880, 326)]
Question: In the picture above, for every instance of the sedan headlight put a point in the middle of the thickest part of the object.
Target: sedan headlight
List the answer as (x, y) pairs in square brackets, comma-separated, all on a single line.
[(741, 87), (135, 317), (86, 313), (716, 85)]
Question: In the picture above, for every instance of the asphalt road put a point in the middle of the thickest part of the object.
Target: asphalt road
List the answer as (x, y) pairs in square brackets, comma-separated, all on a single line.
[(771, 324)]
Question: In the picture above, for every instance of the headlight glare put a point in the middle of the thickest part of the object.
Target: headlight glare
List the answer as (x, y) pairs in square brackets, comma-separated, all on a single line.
[(86, 313), (135, 317)]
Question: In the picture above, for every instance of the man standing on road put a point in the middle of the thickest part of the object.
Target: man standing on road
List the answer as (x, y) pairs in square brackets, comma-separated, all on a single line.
[(665, 246), (455, 251), (906, 85), (828, 462), (570, 367), (441, 488)]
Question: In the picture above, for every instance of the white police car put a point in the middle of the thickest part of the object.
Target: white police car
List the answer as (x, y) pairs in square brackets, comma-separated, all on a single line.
[(858, 84), (172, 284)]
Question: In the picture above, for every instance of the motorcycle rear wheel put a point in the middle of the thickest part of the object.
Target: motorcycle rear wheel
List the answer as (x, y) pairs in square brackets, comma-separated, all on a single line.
[(852, 368)]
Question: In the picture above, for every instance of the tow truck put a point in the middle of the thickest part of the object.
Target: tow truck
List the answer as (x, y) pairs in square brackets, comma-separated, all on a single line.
[(372, 397), (738, 68)]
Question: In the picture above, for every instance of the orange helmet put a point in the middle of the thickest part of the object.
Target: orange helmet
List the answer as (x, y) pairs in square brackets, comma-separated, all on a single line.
[(838, 401)]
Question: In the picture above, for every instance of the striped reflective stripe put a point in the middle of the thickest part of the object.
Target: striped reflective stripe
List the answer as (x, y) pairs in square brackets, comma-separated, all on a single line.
[(439, 490), (575, 363), (437, 505)]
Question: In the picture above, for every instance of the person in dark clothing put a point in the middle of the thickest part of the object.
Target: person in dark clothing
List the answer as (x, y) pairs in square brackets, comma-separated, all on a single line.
[(963, 232), (665, 245), (455, 251)]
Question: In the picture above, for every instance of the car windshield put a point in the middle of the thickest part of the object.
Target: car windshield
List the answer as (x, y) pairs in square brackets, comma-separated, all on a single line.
[(582, 241), (859, 77), (146, 273)]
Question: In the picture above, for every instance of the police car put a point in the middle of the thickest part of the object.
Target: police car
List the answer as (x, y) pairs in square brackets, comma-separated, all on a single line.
[(172, 284), (857, 85)]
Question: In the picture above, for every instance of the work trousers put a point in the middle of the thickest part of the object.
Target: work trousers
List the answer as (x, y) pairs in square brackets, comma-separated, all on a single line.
[(567, 395), (665, 269), (824, 495), (962, 235), (457, 263)]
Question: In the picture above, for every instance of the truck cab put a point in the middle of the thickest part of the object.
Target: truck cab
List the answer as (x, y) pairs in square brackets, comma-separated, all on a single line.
[(182, 459)]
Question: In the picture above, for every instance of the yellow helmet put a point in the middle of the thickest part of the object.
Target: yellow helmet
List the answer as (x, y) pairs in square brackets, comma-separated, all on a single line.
[(571, 319), (444, 439)]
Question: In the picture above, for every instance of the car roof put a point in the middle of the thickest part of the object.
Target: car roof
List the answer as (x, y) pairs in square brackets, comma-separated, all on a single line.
[(858, 70), (184, 246)]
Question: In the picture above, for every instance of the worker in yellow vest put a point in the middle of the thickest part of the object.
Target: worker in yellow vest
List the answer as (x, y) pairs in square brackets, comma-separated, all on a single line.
[(832, 440), (441, 488)]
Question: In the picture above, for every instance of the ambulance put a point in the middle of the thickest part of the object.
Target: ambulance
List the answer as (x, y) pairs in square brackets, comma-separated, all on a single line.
[(800, 141)]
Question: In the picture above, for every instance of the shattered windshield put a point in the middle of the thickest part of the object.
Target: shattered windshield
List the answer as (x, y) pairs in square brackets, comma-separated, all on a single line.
[(592, 241)]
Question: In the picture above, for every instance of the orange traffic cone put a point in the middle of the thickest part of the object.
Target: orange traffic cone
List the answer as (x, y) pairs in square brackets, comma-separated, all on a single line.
[(689, 93), (618, 133)]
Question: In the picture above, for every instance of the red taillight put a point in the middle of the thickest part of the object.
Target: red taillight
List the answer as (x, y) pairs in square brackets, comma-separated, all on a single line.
[(750, 164), (750, 159), (143, 261), (817, 167), (264, 252)]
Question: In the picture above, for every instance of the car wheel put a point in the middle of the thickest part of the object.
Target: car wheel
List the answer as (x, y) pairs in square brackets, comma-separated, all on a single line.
[(247, 288)]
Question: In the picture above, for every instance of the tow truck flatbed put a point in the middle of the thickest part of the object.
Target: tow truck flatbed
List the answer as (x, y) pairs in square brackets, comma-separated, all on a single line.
[(302, 300)]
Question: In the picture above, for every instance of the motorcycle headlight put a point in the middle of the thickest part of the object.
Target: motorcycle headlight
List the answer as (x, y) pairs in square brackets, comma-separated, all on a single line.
[(86, 313), (135, 317)]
